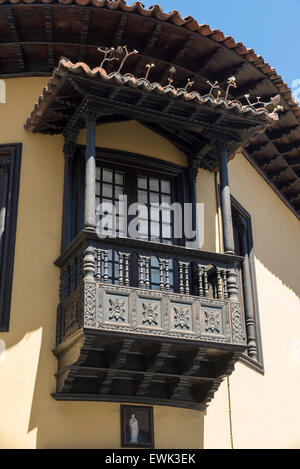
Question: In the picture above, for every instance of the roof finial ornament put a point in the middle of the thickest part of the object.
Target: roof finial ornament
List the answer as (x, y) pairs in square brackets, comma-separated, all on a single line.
[(214, 86), (109, 55), (148, 67), (231, 83), (170, 78), (189, 84), (127, 54), (275, 100)]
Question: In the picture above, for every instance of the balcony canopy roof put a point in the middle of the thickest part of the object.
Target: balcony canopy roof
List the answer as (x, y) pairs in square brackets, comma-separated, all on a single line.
[(34, 35), (199, 121)]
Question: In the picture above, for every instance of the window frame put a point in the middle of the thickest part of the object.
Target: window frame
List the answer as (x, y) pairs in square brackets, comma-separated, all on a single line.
[(258, 364), (12, 153), (120, 160)]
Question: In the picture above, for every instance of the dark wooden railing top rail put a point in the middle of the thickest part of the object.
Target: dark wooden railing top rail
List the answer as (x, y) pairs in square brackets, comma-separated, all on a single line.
[(147, 247)]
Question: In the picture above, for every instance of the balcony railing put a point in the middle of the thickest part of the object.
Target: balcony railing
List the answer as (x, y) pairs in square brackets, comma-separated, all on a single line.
[(146, 322), (140, 287)]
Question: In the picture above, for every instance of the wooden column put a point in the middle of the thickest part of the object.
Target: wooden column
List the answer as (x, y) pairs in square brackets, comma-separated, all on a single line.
[(90, 172), (225, 200), (247, 291), (4, 182), (192, 198), (69, 148)]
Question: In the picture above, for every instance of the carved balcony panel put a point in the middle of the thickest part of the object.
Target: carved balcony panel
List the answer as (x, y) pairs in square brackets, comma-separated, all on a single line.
[(145, 322)]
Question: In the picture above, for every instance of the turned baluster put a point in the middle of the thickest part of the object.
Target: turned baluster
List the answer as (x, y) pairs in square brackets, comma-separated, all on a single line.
[(147, 272), (121, 272), (186, 278), (161, 272), (219, 284), (224, 275), (105, 274), (127, 269), (180, 275), (141, 272), (206, 288), (98, 265), (200, 279), (167, 273)]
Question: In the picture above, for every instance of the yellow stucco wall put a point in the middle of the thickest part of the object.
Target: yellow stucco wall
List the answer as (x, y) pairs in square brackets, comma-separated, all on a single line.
[(30, 417), (265, 409)]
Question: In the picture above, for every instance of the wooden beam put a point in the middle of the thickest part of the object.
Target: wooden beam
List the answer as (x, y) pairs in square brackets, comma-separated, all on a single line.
[(147, 50), (192, 365), (15, 36), (224, 74), (179, 387), (84, 34), (278, 134), (118, 358), (183, 49), (120, 31), (156, 363), (251, 88), (49, 35), (208, 61)]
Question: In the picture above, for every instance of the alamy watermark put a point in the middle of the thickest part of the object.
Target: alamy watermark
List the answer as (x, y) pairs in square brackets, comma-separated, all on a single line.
[(157, 221), (2, 351), (2, 92), (296, 88)]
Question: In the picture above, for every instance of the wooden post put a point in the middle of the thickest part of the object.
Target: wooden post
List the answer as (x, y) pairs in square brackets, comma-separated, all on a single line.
[(4, 181), (192, 189), (90, 172), (69, 148), (247, 291), (225, 201)]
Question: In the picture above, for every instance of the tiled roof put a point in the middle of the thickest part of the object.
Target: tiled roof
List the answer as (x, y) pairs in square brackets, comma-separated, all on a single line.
[(189, 23)]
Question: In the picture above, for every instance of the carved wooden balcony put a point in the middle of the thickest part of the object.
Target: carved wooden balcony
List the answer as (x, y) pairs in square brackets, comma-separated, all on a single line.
[(146, 322)]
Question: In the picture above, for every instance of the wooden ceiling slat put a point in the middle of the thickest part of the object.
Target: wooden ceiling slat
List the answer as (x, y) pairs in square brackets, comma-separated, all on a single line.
[(84, 35)]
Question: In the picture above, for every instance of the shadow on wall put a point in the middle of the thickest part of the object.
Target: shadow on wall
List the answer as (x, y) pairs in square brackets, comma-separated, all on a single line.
[(276, 230)]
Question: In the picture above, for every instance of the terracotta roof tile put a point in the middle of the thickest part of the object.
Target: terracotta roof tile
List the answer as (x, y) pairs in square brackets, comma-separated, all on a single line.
[(82, 68), (174, 17)]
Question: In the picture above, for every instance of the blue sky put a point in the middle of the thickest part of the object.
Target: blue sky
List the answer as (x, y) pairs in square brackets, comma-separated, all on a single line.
[(270, 27)]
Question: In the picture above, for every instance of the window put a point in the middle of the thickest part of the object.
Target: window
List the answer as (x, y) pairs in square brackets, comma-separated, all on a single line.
[(10, 161), (147, 182), (243, 244)]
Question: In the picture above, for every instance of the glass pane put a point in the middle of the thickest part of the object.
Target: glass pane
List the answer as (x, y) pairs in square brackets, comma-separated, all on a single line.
[(107, 206), (142, 182), (166, 199), (166, 216), (166, 231), (118, 191), (107, 190), (155, 230), (98, 173), (154, 262), (154, 213), (142, 197), (107, 175), (119, 178), (166, 187), (154, 186), (154, 198), (143, 227), (155, 275), (98, 189)]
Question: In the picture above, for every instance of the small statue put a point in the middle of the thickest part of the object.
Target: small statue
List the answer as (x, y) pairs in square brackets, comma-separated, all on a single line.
[(134, 429)]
